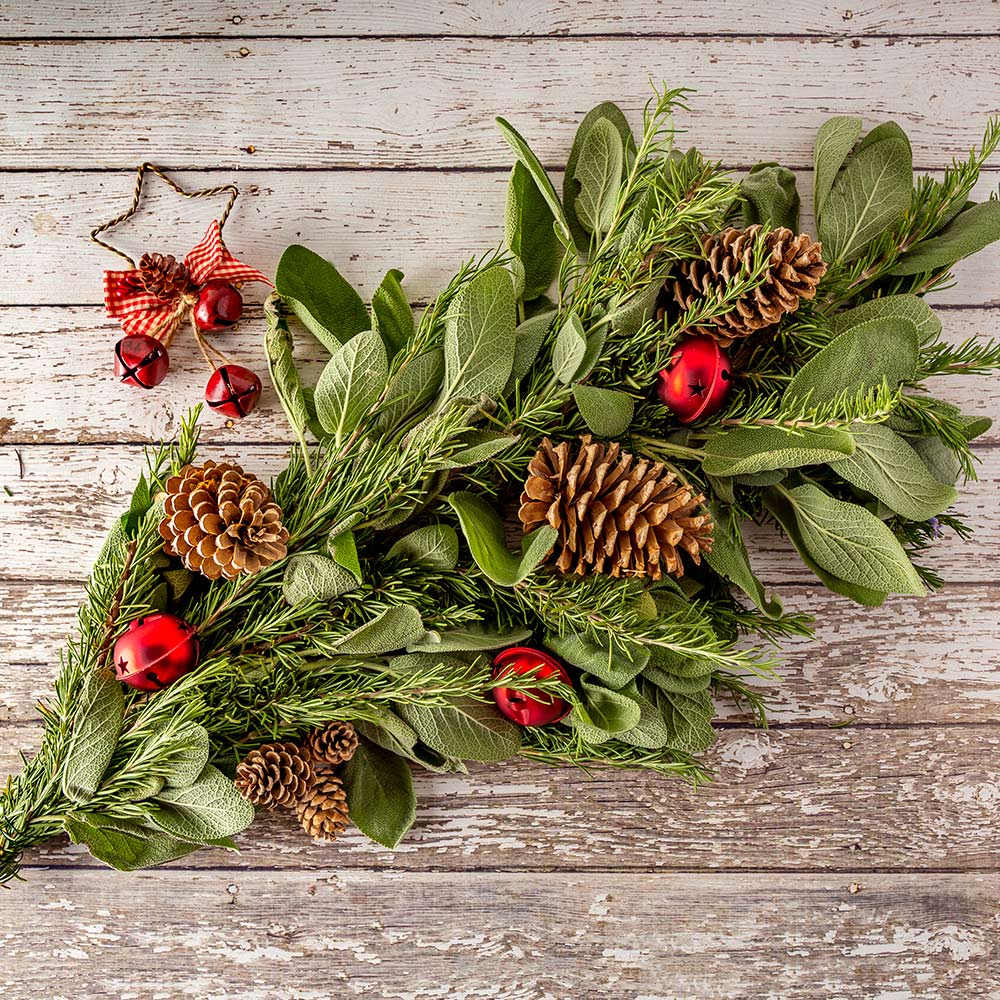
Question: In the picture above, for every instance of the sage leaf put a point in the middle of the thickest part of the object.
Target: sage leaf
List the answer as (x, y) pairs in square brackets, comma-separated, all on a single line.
[(97, 725), (650, 732), (325, 302), (688, 718), (410, 389), (942, 463), (870, 194), (606, 412), (748, 450), (392, 317), (528, 339), (671, 682), (312, 577), (529, 232), (464, 728), (599, 174), (612, 666), (908, 307), (484, 535), (595, 344), (127, 851), (628, 316), (380, 794), (350, 385), (284, 375), (469, 640), (834, 140), (608, 112), (190, 756), (569, 350), (395, 628), (480, 446), (602, 712), (851, 543), (862, 357), (524, 154), (770, 197), (344, 550), (204, 811), (434, 546), (479, 336), (783, 512), (388, 730), (885, 466), (966, 234), (729, 558)]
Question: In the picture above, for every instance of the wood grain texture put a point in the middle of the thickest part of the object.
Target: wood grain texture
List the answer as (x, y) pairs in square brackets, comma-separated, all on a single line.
[(65, 357), (348, 18), (69, 496), (904, 799), (430, 103), (426, 223), (931, 660)]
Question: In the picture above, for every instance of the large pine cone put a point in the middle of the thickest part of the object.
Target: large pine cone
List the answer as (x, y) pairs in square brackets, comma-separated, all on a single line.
[(335, 743), (274, 776), (613, 516), (322, 811), (221, 521), (795, 269), (163, 275)]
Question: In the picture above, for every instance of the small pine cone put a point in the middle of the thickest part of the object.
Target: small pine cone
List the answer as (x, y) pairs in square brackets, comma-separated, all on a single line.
[(795, 269), (335, 743), (221, 521), (276, 775), (163, 275), (613, 516), (322, 811)]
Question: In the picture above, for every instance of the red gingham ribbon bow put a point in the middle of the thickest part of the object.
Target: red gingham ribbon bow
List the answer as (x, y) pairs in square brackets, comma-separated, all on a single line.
[(138, 312)]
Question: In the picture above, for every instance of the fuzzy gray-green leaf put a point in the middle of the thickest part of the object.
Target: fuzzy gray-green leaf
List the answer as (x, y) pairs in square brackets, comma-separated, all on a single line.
[(606, 412), (748, 450), (465, 728), (312, 577), (380, 794), (98, 715), (206, 810), (729, 558), (966, 234), (909, 307), (569, 350), (434, 546), (599, 174), (529, 232), (351, 384), (392, 317), (834, 140), (395, 628)]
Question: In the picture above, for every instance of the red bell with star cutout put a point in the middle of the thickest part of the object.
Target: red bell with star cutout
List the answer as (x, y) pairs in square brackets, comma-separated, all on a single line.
[(697, 379), (155, 651), (529, 707)]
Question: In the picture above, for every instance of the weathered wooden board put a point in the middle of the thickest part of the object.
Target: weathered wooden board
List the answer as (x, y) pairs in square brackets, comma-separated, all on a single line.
[(53, 18), (911, 661), (69, 496), (904, 799), (430, 103), (309, 936), (356, 218), (57, 386)]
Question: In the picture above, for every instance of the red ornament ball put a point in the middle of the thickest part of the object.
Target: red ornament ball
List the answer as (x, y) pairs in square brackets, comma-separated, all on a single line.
[(155, 651), (141, 361), (697, 379), (233, 390), (530, 707), (219, 306)]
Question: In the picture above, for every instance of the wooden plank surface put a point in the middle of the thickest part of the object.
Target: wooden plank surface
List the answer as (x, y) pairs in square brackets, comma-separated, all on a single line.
[(788, 799), (293, 936), (350, 18), (423, 222), (930, 660), (421, 103)]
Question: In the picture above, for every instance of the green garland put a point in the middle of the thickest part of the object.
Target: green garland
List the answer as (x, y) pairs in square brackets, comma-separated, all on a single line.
[(399, 585)]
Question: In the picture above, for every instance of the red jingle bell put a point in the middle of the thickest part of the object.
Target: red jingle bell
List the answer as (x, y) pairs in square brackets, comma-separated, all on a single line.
[(233, 391), (219, 306), (697, 379), (529, 707), (141, 360), (155, 651)]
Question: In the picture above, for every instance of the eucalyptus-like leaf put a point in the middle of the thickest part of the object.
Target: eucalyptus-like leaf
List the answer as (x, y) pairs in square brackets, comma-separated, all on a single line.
[(606, 412), (530, 234), (322, 299), (966, 234), (97, 723), (479, 336), (869, 196), (465, 728), (350, 385), (748, 450), (434, 546), (380, 794), (834, 140), (599, 174), (392, 317)]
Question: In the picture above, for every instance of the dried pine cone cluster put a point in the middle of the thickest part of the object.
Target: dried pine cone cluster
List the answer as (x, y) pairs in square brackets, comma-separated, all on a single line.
[(613, 515), (303, 779), (221, 521), (794, 270)]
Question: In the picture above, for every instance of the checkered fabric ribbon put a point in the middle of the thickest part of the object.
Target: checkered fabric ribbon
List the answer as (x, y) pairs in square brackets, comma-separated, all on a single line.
[(138, 312)]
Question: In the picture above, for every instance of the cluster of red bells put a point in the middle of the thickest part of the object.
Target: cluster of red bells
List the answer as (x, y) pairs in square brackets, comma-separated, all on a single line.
[(141, 360)]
